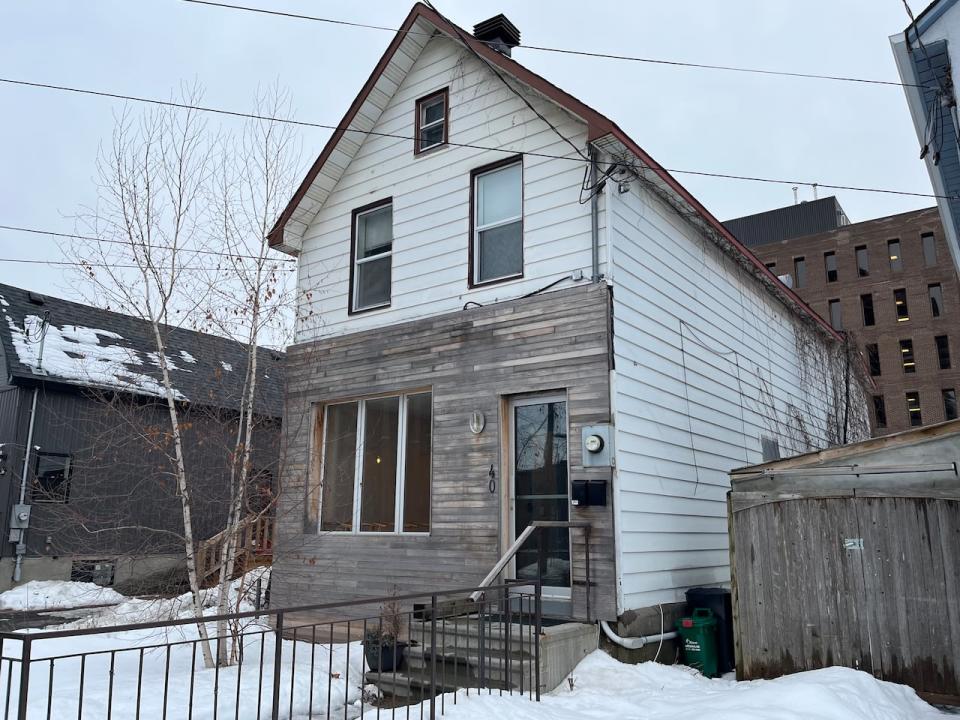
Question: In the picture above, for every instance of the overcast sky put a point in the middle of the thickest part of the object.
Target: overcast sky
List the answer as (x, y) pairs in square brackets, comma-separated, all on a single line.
[(828, 132)]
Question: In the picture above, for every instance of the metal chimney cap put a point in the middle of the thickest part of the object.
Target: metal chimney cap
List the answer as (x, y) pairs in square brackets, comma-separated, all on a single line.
[(499, 32)]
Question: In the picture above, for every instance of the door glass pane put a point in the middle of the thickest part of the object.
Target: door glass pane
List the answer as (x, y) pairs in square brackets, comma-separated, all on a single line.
[(374, 232), (373, 283), (378, 491), (339, 467), (540, 486), (501, 252), (498, 195), (416, 466)]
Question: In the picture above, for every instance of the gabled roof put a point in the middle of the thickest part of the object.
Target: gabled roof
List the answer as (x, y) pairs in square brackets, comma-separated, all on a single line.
[(87, 347), (364, 112)]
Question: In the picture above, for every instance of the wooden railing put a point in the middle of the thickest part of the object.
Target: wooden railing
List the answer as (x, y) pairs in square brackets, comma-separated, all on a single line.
[(254, 548)]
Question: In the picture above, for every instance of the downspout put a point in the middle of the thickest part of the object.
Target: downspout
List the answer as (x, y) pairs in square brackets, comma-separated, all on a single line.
[(21, 547), (594, 218), (21, 544), (634, 643)]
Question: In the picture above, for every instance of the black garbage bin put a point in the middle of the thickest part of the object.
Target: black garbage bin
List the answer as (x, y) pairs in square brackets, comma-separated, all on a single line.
[(718, 600)]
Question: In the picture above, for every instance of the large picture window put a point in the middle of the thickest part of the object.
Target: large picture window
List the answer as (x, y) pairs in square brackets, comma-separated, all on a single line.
[(497, 222), (377, 465), (372, 256)]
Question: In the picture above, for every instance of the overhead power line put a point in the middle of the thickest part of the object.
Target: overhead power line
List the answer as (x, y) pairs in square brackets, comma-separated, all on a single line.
[(505, 150), (568, 51), (83, 264), (72, 236)]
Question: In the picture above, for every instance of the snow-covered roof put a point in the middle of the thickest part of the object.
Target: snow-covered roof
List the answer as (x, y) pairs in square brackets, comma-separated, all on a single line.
[(55, 340)]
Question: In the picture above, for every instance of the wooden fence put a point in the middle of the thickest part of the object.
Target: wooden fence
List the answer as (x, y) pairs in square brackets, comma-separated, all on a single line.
[(864, 579)]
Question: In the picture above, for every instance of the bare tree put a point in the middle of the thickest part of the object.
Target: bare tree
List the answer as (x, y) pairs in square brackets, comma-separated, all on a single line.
[(180, 227)]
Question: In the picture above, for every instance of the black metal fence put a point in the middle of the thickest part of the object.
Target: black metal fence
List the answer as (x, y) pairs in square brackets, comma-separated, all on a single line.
[(396, 656)]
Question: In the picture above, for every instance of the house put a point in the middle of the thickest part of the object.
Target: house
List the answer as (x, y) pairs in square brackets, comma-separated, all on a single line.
[(924, 56), (88, 493), (511, 313), (865, 572), (889, 283)]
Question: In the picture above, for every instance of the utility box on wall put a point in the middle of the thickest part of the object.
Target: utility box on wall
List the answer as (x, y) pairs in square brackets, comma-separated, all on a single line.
[(597, 445)]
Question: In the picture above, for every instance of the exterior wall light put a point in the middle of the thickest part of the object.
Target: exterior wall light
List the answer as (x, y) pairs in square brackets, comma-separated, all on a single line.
[(477, 422)]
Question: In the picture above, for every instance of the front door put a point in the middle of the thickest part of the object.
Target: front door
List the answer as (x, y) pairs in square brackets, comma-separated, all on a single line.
[(539, 489)]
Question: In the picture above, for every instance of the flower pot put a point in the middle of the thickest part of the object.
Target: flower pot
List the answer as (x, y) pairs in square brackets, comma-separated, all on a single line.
[(384, 655)]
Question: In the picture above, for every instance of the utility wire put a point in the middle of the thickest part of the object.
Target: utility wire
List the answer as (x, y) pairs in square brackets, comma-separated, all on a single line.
[(567, 51), (78, 263), (219, 253), (505, 150)]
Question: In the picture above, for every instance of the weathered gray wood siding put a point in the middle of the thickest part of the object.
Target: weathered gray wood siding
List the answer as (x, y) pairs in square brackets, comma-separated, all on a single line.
[(802, 601), (472, 360)]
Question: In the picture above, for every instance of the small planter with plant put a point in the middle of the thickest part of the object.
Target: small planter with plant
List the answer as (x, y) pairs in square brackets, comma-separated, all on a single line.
[(382, 645)]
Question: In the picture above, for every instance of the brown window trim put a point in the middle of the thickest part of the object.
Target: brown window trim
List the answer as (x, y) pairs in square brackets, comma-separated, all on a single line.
[(512, 160), (445, 92), (353, 256)]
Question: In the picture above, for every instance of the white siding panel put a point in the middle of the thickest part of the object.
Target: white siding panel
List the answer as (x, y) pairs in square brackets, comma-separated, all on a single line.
[(431, 200), (706, 363)]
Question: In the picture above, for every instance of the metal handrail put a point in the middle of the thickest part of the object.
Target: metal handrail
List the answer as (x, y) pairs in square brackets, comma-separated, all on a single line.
[(522, 538)]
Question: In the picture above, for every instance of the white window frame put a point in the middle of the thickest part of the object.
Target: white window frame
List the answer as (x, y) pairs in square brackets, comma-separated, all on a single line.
[(400, 487), (440, 98), (358, 261), (478, 228)]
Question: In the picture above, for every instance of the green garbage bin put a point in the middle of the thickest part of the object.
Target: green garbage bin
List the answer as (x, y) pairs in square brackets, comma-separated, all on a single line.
[(699, 634)]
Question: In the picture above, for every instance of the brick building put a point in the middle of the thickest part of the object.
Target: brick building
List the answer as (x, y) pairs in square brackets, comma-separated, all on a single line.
[(890, 283)]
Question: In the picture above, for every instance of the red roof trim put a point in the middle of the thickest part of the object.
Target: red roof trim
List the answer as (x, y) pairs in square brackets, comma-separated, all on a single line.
[(598, 125)]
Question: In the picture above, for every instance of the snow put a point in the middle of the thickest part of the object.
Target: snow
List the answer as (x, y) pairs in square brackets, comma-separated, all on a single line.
[(599, 687), (605, 688), (140, 657), (80, 355), (226, 366), (57, 594), (187, 357)]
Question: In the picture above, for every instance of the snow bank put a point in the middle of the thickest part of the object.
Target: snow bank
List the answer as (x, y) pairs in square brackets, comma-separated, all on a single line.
[(167, 664), (605, 688), (57, 594)]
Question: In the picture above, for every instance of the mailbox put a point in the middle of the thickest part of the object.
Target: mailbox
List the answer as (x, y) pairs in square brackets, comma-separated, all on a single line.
[(587, 493)]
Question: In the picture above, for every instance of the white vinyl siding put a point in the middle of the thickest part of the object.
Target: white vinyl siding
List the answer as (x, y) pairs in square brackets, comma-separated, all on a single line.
[(701, 352), (431, 205)]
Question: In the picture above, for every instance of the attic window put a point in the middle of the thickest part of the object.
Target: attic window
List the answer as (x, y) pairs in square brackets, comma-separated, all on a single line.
[(431, 121)]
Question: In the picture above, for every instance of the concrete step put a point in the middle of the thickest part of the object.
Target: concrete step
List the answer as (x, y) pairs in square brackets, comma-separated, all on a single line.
[(469, 626), (466, 669)]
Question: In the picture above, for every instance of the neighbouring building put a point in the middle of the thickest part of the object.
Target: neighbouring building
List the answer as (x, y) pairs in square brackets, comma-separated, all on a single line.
[(511, 313), (85, 447), (890, 284), (924, 56)]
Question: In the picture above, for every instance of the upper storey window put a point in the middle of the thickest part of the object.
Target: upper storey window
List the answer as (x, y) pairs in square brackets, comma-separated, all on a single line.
[(431, 121), (496, 237), (372, 245)]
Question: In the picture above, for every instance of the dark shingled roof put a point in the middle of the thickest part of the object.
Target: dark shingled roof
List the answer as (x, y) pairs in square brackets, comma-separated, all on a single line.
[(88, 347)]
